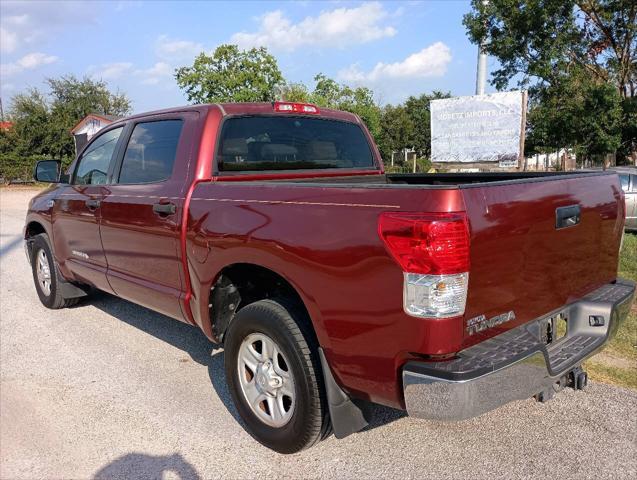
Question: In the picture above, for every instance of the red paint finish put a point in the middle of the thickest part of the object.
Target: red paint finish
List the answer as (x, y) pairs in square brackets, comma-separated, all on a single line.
[(142, 246), (322, 237), (76, 236), (520, 262), (324, 241)]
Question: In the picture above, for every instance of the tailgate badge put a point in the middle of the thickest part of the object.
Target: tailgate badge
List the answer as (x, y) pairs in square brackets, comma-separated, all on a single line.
[(481, 322)]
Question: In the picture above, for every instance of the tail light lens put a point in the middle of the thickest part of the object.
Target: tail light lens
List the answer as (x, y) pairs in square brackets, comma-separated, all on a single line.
[(433, 252)]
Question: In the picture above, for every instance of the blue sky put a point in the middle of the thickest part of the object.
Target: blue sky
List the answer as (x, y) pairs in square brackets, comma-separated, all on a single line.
[(395, 48)]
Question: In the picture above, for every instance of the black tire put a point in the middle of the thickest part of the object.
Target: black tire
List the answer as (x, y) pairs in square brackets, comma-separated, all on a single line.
[(54, 299), (290, 328)]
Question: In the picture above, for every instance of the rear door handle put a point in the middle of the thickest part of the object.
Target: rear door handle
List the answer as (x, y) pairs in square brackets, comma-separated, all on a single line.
[(567, 216), (92, 204), (164, 208)]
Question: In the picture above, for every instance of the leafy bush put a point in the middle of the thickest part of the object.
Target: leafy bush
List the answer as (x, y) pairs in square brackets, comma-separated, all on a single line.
[(17, 167)]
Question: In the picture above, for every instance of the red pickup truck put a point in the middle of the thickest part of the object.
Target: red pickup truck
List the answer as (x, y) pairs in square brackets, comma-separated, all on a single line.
[(274, 229)]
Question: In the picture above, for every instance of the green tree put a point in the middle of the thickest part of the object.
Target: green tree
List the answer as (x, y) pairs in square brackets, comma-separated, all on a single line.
[(42, 122), (360, 100), (295, 92), (396, 131), (551, 46), (31, 120), (576, 112), (540, 40), (71, 100), (231, 75), (419, 111)]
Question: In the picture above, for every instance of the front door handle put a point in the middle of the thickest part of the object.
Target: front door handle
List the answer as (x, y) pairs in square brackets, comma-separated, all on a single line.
[(164, 208), (92, 204)]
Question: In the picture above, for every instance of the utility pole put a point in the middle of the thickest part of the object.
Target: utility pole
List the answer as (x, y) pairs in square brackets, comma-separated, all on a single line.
[(481, 75)]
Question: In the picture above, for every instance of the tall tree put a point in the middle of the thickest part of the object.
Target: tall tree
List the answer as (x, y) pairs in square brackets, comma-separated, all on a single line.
[(295, 92), (42, 122), (359, 100), (71, 100), (31, 120), (419, 111), (396, 131), (576, 112), (231, 75), (540, 40)]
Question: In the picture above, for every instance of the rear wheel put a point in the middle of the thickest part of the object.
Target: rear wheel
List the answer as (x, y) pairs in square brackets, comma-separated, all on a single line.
[(45, 275), (274, 375)]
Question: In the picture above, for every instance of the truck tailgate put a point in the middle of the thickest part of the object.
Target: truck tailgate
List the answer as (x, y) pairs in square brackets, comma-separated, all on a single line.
[(522, 263)]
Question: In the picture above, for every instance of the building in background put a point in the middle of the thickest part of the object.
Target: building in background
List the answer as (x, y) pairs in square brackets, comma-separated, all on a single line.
[(89, 126)]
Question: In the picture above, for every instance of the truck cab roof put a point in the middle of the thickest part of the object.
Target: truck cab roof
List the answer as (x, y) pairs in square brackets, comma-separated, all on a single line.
[(247, 108)]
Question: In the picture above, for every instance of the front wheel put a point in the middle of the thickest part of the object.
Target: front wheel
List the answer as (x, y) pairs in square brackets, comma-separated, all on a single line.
[(274, 375), (45, 275)]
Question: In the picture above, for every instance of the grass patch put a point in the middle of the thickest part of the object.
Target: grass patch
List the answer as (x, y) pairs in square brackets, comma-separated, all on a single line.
[(602, 372), (623, 347)]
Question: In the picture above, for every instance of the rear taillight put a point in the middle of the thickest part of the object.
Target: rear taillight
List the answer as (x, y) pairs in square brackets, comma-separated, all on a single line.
[(287, 107), (433, 251)]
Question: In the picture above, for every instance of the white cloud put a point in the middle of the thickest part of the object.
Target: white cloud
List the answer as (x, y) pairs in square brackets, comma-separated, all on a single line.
[(28, 24), (168, 48), (28, 62), (155, 74), (334, 28), (118, 70), (8, 40), (34, 60), (431, 61), (110, 71)]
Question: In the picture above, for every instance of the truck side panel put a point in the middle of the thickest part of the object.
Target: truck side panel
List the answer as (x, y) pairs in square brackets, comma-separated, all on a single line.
[(324, 241)]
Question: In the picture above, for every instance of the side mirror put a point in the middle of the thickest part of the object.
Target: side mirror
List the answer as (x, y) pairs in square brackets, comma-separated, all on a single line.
[(47, 171)]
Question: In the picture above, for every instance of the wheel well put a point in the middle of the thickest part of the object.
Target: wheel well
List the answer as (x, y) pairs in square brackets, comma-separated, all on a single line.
[(241, 284), (33, 229)]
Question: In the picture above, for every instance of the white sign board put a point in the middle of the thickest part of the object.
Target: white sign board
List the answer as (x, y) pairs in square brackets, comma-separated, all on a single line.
[(480, 128)]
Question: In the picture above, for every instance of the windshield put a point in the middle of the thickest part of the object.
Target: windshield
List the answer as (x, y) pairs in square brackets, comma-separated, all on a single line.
[(288, 143)]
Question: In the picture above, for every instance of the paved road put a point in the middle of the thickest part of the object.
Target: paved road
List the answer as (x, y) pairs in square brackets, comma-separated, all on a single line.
[(111, 390)]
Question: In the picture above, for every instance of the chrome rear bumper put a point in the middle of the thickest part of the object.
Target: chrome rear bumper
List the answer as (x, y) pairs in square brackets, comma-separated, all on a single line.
[(516, 364)]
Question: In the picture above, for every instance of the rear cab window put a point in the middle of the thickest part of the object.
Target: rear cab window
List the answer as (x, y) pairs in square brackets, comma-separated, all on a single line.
[(261, 143)]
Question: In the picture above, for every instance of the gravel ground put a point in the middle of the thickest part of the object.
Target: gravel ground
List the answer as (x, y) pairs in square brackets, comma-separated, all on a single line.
[(109, 389)]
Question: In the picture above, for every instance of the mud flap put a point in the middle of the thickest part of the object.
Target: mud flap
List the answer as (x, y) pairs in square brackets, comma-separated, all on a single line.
[(347, 417)]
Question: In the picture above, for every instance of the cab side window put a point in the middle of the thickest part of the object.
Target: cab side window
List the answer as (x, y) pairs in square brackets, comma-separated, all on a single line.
[(93, 166), (150, 153), (624, 181)]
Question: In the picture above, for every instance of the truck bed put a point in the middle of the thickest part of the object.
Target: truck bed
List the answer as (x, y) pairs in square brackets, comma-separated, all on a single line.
[(443, 179)]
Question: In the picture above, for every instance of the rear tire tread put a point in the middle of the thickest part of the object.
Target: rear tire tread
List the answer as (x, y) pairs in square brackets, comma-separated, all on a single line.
[(299, 329)]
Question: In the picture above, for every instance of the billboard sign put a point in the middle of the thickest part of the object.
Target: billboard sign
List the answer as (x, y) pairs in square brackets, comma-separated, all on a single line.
[(479, 128)]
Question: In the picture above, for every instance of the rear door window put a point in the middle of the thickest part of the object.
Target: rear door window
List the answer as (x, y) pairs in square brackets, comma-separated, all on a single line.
[(150, 153), (288, 143)]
